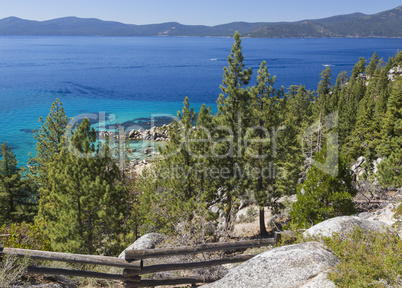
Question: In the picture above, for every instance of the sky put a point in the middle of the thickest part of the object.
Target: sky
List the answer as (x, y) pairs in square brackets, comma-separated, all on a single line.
[(190, 12)]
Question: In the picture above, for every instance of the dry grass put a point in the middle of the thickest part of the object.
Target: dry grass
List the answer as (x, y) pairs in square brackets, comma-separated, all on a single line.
[(12, 269)]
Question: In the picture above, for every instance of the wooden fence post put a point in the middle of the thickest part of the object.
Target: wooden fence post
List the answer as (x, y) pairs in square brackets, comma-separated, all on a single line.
[(2, 245), (277, 236), (131, 278)]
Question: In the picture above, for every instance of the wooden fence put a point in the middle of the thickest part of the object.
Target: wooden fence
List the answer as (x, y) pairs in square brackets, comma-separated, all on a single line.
[(133, 263)]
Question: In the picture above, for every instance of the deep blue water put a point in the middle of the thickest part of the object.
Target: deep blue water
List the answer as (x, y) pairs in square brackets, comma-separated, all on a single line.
[(136, 77)]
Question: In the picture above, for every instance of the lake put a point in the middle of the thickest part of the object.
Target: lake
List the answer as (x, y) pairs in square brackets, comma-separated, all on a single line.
[(132, 78)]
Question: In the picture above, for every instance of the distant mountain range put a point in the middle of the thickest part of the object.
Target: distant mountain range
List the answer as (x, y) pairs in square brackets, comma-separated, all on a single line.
[(383, 24)]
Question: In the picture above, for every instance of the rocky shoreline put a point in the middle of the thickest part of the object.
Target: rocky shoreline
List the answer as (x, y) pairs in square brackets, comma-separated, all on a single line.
[(158, 134), (153, 134)]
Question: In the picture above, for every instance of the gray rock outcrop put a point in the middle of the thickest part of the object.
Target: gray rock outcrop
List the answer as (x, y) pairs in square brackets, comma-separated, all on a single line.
[(147, 241), (385, 214), (345, 225), (154, 133), (394, 72), (299, 265)]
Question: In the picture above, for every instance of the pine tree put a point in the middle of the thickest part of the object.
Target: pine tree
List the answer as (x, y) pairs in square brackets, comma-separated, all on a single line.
[(299, 108), (175, 182), (232, 118), (84, 205), (16, 195), (261, 151), (374, 61), (324, 92), (349, 100), (48, 137), (391, 140), (298, 116), (341, 80), (200, 148), (363, 139), (323, 196)]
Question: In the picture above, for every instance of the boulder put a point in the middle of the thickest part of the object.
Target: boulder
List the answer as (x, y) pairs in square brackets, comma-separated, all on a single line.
[(299, 265), (320, 281), (345, 225), (147, 241), (385, 214), (132, 133)]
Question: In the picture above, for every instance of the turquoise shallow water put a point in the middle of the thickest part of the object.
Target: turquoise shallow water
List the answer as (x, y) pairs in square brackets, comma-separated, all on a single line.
[(131, 78)]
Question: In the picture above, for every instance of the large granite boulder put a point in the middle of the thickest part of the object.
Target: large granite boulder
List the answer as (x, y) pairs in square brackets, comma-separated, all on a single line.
[(147, 241), (299, 265), (344, 225)]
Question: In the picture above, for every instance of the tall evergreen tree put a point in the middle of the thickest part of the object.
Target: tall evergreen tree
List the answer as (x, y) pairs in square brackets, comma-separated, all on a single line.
[(17, 203), (363, 139), (349, 100), (84, 205), (391, 140), (324, 92), (298, 115), (200, 148), (373, 65), (232, 120), (175, 182), (341, 80), (48, 137), (261, 150)]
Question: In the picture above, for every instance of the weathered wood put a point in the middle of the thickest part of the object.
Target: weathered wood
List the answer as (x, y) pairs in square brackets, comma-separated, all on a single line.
[(190, 265), (165, 252), (175, 281), (136, 279), (5, 235), (130, 284), (130, 272), (71, 272), (277, 236), (75, 258), (131, 275)]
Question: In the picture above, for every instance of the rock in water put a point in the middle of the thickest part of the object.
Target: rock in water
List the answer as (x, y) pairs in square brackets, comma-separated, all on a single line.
[(147, 241), (299, 265), (345, 225)]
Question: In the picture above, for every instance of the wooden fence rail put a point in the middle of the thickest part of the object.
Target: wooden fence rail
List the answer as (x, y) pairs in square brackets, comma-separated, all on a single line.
[(133, 263), (75, 258), (185, 250), (192, 265), (71, 272)]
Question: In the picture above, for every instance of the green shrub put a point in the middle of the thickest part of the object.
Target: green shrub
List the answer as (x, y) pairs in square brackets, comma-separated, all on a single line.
[(324, 194), (367, 260), (25, 236)]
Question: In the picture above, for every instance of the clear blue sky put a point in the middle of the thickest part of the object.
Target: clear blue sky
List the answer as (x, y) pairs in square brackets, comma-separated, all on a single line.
[(206, 12)]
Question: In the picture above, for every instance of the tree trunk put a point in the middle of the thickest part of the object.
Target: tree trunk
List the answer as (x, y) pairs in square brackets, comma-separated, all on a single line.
[(263, 229)]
